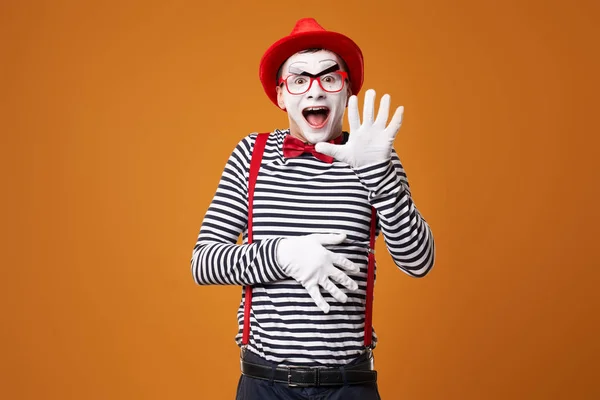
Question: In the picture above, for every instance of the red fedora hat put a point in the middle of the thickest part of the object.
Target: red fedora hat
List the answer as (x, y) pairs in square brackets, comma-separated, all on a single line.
[(309, 34)]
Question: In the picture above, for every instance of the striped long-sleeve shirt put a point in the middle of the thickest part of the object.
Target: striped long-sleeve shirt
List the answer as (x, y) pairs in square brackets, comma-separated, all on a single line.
[(300, 196)]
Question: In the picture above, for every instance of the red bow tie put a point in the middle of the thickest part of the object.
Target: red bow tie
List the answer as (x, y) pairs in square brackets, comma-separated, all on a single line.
[(293, 147)]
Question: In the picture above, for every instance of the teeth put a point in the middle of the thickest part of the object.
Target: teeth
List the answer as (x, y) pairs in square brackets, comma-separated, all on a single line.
[(316, 108)]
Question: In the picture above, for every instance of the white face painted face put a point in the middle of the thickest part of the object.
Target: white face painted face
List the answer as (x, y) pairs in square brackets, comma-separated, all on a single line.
[(315, 116)]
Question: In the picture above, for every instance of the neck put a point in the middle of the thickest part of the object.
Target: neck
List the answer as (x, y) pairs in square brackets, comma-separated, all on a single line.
[(297, 133)]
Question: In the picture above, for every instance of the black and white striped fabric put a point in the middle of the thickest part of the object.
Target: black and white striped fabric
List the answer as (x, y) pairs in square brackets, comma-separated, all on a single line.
[(301, 196)]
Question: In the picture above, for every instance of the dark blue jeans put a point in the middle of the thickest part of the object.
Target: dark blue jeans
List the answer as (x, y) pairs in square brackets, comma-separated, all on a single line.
[(259, 389)]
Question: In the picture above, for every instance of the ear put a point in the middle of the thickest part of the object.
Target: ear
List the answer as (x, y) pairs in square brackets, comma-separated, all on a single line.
[(348, 93), (280, 102)]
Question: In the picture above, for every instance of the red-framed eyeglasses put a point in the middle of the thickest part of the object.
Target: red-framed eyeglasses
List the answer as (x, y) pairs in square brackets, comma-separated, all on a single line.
[(332, 82)]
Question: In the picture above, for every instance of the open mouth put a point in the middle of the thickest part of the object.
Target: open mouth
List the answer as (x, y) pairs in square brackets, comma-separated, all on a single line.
[(316, 116)]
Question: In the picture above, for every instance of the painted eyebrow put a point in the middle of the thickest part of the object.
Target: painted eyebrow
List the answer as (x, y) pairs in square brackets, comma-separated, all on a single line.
[(298, 71)]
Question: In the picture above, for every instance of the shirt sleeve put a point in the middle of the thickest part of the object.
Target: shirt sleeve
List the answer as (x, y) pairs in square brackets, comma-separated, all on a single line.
[(407, 235), (217, 259)]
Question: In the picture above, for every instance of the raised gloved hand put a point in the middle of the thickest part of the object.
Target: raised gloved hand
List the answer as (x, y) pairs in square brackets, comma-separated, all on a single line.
[(370, 142), (305, 259)]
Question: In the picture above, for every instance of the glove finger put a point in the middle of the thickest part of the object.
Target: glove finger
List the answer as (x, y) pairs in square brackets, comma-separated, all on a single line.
[(343, 279), (342, 262), (353, 117), (334, 291), (329, 149), (369, 107), (384, 111), (315, 293), (395, 123), (329, 238)]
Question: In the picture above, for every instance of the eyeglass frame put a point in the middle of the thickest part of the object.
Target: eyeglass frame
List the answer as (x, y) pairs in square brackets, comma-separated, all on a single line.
[(317, 78)]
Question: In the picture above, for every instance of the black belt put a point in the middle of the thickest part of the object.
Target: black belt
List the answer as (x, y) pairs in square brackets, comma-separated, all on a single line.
[(308, 377)]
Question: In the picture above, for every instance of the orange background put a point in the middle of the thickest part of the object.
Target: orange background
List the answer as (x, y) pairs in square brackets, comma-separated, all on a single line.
[(117, 119)]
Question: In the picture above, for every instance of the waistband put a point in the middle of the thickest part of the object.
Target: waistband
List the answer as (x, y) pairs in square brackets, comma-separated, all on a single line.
[(359, 371)]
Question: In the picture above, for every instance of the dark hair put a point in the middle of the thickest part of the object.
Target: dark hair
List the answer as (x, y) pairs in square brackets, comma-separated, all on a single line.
[(305, 51)]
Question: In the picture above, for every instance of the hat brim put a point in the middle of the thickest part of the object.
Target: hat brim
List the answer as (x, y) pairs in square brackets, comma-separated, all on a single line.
[(284, 48)]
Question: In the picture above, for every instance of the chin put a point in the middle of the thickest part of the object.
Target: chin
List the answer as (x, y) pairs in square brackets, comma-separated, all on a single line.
[(322, 135)]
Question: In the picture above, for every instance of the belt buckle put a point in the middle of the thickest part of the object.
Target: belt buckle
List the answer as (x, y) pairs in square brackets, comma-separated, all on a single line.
[(313, 370), (289, 382)]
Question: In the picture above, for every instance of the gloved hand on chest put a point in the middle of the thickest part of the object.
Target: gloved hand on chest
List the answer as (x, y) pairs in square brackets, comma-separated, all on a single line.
[(305, 259)]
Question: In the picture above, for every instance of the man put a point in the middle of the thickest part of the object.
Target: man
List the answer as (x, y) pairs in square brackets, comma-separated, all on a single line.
[(312, 211)]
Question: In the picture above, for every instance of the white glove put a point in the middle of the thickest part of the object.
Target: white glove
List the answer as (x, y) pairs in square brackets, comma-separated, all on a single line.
[(306, 260), (371, 142)]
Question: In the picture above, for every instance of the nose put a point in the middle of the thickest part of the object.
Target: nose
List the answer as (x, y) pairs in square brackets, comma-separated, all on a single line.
[(315, 91)]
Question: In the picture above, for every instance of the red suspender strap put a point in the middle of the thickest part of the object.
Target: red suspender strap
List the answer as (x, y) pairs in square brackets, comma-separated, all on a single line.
[(370, 281), (257, 153)]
